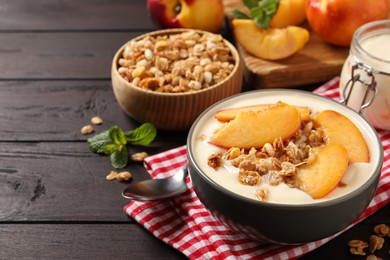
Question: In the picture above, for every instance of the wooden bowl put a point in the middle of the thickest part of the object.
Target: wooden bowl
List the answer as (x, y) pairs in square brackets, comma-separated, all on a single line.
[(172, 111)]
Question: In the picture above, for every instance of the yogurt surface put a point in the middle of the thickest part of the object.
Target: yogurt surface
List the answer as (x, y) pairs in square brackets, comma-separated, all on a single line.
[(227, 175), (377, 48)]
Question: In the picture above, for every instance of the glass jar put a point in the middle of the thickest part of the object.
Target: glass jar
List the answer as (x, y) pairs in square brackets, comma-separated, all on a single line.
[(365, 77)]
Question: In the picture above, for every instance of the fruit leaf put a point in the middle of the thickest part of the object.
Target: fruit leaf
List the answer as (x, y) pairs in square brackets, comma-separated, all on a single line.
[(250, 3), (240, 15), (117, 135), (143, 135), (114, 141), (98, 143), (119, 158), (107, 141), (261, 11)]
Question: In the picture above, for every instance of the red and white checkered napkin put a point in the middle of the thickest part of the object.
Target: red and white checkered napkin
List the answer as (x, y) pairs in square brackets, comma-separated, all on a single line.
[(185, 224)]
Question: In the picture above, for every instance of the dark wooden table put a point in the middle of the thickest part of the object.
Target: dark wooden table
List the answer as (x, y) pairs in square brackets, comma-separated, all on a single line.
[(55, 202)]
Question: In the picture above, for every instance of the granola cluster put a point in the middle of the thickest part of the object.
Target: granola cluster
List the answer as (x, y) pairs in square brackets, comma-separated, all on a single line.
[(176, 63), (275, 162)]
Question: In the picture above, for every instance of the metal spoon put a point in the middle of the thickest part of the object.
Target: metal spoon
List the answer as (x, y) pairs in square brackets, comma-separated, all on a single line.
[(158, 189)]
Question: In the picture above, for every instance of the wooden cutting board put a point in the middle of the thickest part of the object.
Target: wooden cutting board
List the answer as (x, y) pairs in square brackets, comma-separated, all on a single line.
[(317, 62)]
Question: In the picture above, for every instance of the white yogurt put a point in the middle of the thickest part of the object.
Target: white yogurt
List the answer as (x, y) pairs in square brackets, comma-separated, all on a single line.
[(371, 47), (227, 176)]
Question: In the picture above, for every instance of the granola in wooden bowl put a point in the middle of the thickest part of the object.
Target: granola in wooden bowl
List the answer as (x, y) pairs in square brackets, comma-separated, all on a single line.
[(169, 77)]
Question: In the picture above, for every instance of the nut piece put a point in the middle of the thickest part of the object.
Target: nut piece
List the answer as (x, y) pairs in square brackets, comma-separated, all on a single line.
[(262, 194), (382, 230), (357, 247), (96, 120), (202, 137), (249, 178), (112, 176), (215, 161), (139, 157), (88, 129), (232, 153), (376, 243), (122, 176)]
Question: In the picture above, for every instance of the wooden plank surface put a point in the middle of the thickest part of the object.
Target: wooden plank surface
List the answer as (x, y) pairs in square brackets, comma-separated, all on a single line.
[(81, 241), (56, 110), (53, 55), (316, 63), (59, 181), (52, 181), (59, 15), (55, 203)]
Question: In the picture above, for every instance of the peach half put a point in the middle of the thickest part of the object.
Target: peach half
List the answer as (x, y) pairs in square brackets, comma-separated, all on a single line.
[(256, 128)]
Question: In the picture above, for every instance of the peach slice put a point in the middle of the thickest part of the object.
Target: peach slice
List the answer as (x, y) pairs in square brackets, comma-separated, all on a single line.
[(256, 128), (269, 44), (339, 129), (229, 114), (323, 172)]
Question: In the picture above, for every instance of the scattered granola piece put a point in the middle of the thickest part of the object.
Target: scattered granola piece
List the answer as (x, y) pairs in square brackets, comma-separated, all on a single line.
[(139, 157), (87, 129), (232, 153), (202, 137), (215, 160), (262, 194), (288, 169), (247, 165), (112, 176), (124, 176), (373, 257), (382, 230), (376, 243), (274, 178), (249, 177), (96, 120), (357, 247), (269, 150)]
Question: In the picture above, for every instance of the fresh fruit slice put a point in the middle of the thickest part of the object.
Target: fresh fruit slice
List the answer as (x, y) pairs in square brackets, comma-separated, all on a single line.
[(323, 172), (290, 12), (229, 114), (270, 44), (339, 129), (256, 128)]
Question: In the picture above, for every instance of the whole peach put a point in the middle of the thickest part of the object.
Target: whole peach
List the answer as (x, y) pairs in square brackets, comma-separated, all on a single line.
[(290, 12), (335, 21), (205, 15)]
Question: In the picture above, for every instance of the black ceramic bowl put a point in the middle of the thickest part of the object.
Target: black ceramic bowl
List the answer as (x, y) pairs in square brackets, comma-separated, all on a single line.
[(285, 223)]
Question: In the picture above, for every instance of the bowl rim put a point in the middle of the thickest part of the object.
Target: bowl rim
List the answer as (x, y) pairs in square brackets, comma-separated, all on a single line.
[(375, 175), (114, 66)]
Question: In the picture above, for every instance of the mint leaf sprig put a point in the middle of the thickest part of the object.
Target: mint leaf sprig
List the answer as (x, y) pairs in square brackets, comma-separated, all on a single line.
[(114, 142), (260, 11)]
